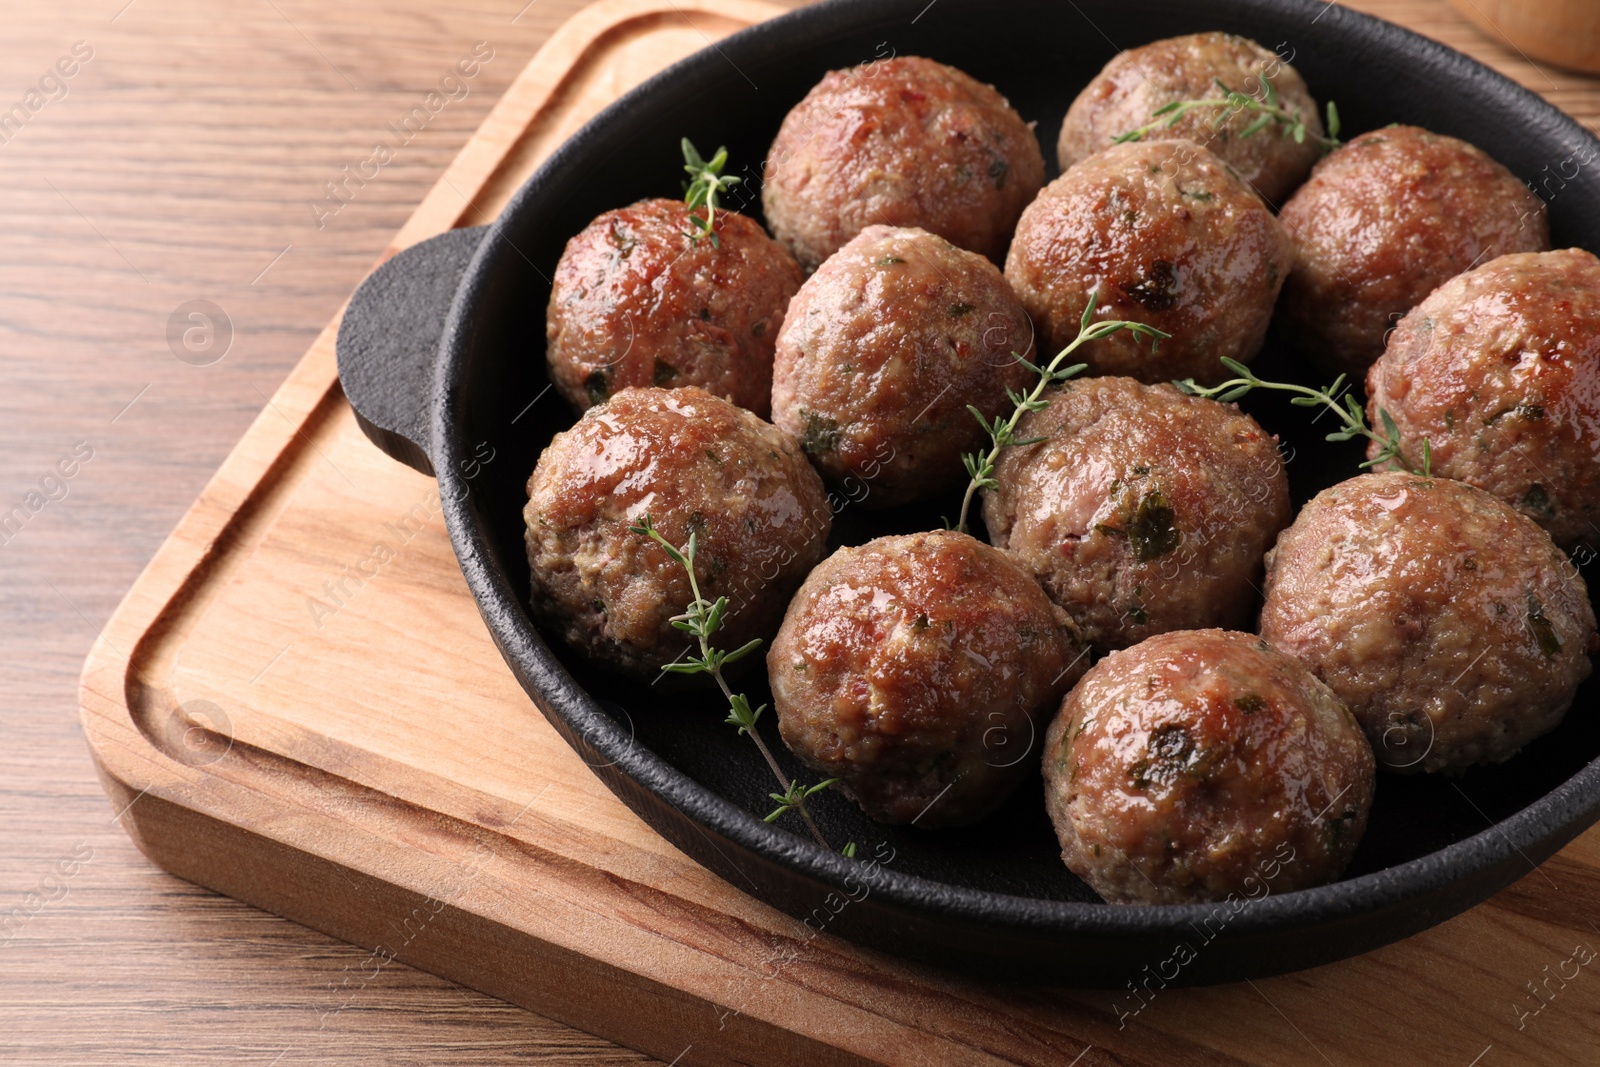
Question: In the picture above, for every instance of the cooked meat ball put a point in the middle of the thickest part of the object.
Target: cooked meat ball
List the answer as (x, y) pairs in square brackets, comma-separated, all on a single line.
[(883, 350), (1143, 510), (1140, 81), (1168, 236), (901, 142), (914, 669), (1452, 626), (1383, 222), (1499, 370), (1204, 764), (693, 463), (636, 303)]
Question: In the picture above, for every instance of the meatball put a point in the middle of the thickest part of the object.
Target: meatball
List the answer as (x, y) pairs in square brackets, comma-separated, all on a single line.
[(884, 349), (902, 142), (694, 464), (1452, 626), (1166, 235), (1139, 82), (1383, 222), (913, 669), (1202, 765), (635, 302), (1143, 510), (1499, 370)]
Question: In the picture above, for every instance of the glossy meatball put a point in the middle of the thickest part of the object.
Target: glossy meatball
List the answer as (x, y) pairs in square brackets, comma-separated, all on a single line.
[(914, 668), (1499, 369), (1141, 81), (1168, 236), (693, 463), (1143, 510), (1383, 222), (1201, 765), (1452, 626), (884, 349), (635, 302), (900, 142)]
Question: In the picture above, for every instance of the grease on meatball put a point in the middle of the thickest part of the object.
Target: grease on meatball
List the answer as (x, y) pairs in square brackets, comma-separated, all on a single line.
[(1143, 510), (1499, 370), (900, 142), (635, 302), (1140, 81), (1165, 234), (693, 463), (884, 349), (1450, 624), (1203, 764), (1382, 222), (914, 669)]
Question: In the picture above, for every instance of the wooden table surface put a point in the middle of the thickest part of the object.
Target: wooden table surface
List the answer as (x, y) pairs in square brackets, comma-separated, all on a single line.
[(180, 160)]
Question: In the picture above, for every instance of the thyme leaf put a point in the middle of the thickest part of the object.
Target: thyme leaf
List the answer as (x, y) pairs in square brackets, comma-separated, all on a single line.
[(706, 181), (1003, 432), (1269, 112), (701, 620), (1350, 414)]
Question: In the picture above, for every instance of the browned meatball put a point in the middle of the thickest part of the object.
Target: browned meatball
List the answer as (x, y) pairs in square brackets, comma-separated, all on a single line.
[(901, 142), (883, 350), (693, 463), (635, 302), (1140, 81), (1143, 510), (913, 668), (1452, 626), (1384, 221), (1201, 765), (1499, 369), (1168, 236)]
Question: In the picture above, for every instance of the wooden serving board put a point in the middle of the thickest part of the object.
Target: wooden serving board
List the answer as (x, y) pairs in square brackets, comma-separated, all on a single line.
[(297, 705)]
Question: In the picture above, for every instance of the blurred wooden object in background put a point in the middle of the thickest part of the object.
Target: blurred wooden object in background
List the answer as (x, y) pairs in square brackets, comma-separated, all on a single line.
[(1563, 32)]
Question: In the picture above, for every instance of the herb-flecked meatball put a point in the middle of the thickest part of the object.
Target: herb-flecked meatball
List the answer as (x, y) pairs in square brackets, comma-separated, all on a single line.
[(900, 142), (1140, 81), (636, 302), (1203, 764), (1499, 370), (1143, 510), (1166, 235), (915, 668), (694, 463), (884, 348), (1385, 220), (1450, 624)]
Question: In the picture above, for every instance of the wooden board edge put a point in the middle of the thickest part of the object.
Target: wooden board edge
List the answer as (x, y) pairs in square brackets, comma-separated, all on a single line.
[(573, 44), (443, 938), (153, 793), (201, 535)]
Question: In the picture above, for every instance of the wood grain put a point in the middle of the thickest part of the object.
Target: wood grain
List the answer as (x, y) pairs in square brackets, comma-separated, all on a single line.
[(1563, 32), (178, 167)]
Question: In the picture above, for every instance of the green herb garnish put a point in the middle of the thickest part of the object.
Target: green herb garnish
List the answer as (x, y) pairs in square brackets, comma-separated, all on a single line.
[(1543, 632), (701, 620), (706, 180), (1268, 110), (1002, 432), (1350, 413)]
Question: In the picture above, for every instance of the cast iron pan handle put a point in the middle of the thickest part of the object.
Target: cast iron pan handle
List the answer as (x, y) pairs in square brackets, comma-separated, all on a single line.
[(389, 343)]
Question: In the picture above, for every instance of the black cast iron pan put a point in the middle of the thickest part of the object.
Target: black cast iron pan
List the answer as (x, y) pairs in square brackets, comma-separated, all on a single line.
[(442, 355)]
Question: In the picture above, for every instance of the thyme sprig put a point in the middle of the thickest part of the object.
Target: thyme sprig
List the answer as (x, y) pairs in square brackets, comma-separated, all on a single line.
[(1003, 432), (1268, 110), (701, 620), (1349, 412), (706, 181)]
